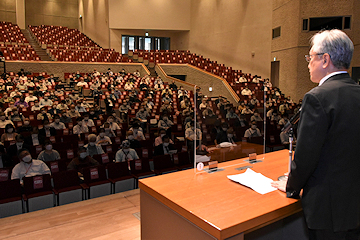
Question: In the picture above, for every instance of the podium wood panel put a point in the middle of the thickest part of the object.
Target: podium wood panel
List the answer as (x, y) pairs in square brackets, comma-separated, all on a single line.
[(220, 206)]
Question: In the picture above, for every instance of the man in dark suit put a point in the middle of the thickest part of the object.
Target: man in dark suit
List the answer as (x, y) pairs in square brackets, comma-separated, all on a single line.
[(47, 130), (165, 147), (327, 164)]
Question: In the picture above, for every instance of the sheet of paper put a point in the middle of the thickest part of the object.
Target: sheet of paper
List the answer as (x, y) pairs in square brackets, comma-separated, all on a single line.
[(256, 181)]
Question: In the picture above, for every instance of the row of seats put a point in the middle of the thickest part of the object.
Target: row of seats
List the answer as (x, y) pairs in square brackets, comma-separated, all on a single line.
[(11, 33)]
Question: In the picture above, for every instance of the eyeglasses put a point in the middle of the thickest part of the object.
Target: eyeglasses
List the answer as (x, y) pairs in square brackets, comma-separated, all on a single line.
[(308, 57)]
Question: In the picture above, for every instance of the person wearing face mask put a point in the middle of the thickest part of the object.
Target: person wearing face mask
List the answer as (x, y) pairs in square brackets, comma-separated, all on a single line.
[(165, 147), (9, 134), (137, 131), (36, 106), (9, 109), (62, 106), (47, 130), (65, 117), (4, 121), (26, 127), (253, 131), (126, 153), (112, 124), (87, 121), (193, 136), (28, 167), (46, 102), (73, 113), (83, 160), (19, 144), (57, 124), (142, 114), (49, 154), (80, 128), (34, 138), (16, 116), (43, 114), (92, 148), (158, 140), (166, 124), (102, 139), (222, 134), (256, 117), (134, 143)]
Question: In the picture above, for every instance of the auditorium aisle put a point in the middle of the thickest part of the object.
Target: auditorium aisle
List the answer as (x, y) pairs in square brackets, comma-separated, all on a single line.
[(109, 217)]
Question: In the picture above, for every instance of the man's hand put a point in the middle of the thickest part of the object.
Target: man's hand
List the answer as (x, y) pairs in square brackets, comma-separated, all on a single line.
[(281, 185)]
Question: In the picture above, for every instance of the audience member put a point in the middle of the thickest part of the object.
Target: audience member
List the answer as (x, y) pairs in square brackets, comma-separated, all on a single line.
[(9, 134), (80, 128), (165, 147), (49, 154), (253, 131), (102, 139), (82, 161), (126, 153), (93, 148)]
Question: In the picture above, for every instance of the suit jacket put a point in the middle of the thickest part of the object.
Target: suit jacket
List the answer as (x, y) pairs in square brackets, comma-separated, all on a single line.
[(327, 163), (159, 150), (43, 133)]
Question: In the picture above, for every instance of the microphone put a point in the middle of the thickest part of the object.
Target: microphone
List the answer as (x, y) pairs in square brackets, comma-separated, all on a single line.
[(293, 121)]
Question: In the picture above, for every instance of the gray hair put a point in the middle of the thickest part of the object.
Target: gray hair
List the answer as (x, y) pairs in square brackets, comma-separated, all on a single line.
[(337, 44)]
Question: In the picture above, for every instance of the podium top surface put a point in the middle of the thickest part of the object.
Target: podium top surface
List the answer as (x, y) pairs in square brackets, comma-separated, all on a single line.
[(220, 206)]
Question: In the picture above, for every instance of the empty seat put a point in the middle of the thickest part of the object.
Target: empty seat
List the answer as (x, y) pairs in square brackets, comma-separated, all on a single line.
[(10, 198), (120, 177), (67, 187), (95, 182)]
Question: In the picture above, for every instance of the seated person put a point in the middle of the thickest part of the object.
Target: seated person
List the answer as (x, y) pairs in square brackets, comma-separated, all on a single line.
[(253, 131), (28, 167), (232, 115), (256, 117), (158, 140), (284, 120), (221, 136), (134, 143), (47, 130), (65, 118), (192, 135), (92, 148), (26, 127), (43, 114), (284, 137), (137, 131), (16, 116), (165, 123), (4, 121), (36, 106), (126, 153), (80, 128), (165, 147), (53, 110), (112, 124), (102, 139), (108, 132), (82, 161), (230, 137), (57, 124), (9, 134), (62, 106), (34, 138), (13, 149), (87, 121), (73, 113), (247, 110), (49, 154), (46, 101), (21, 103)]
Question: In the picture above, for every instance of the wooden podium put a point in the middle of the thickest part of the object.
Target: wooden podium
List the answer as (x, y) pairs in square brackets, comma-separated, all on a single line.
[(189, 205)]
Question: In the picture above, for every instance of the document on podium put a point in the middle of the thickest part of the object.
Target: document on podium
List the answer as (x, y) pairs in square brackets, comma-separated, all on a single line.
[(256, 181)]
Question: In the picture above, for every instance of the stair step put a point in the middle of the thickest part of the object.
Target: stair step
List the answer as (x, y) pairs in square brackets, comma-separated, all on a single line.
[(39, 51)]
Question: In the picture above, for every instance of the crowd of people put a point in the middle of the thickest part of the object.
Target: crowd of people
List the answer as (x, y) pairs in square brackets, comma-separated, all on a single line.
[(136, 109)]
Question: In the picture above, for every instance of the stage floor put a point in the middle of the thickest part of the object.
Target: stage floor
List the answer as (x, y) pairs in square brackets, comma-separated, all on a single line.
[(110, 217)]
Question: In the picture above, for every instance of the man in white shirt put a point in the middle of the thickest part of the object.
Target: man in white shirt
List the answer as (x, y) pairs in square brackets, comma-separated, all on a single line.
[(57, 124), (246, 92), (80, 127), (126, 153), (28, 166), (31, 97), (4, 121), (46, 102)]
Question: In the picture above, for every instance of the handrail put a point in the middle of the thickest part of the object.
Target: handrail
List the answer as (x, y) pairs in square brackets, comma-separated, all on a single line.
[(227, 85), (172, 78)]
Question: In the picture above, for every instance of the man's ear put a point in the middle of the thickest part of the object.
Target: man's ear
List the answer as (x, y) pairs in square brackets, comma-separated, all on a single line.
[(326, 60)]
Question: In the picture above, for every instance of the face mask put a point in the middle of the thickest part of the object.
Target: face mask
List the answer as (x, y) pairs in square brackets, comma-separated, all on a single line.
[(131, 137), (2, 118), (111, 120), (48, 147), (224, 129), (92, 143), (80, 124), (253, 127), (10, 130), (27, 158), (230, 135), (86, 119), (166, 144), (83, 155), (19, 144), (47, 126), (165, 118), (57, 120), (102, 134), (163, 134), (26, 122)]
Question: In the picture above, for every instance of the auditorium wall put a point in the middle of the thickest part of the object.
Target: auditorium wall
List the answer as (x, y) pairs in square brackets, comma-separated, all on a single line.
[(293, 43), (8, 11), (95, 21), (52, 12), (236, 33)]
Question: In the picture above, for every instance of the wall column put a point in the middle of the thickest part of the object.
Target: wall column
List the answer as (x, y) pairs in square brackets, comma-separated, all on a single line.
[(20, 13)]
